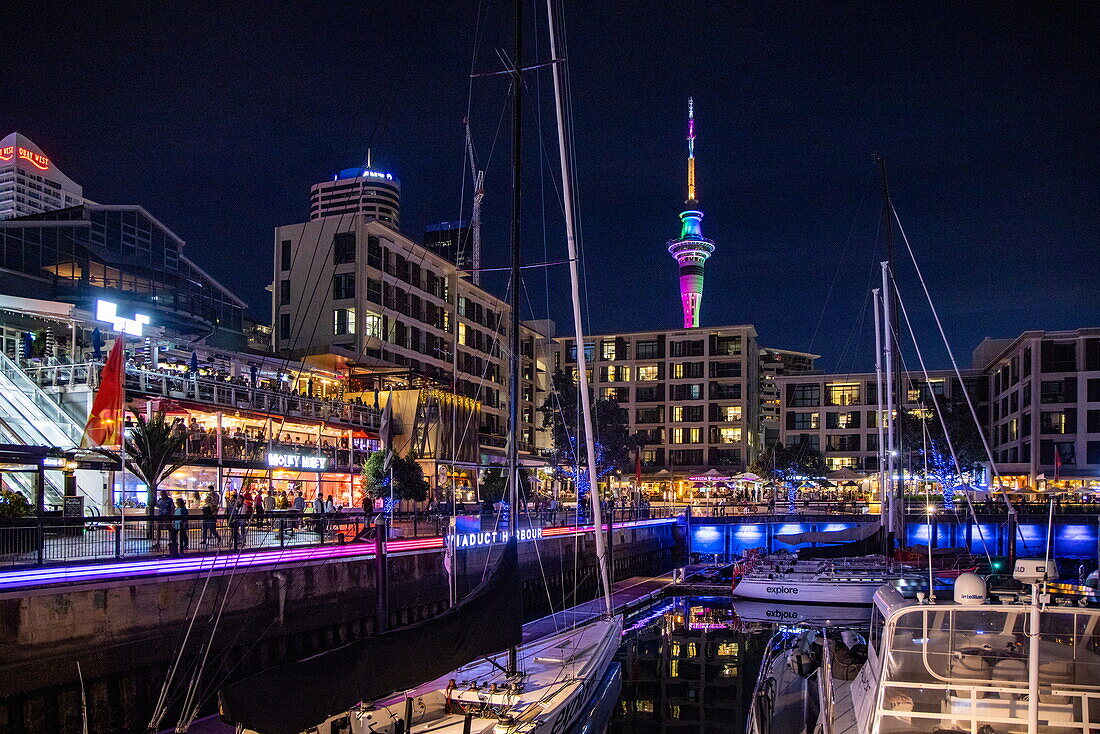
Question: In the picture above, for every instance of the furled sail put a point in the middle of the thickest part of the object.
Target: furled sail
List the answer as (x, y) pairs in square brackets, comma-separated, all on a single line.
[(845, 535), (290, 698)]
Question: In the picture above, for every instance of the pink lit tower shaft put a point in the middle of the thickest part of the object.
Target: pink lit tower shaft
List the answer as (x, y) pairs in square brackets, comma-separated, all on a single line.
[(691, 249)]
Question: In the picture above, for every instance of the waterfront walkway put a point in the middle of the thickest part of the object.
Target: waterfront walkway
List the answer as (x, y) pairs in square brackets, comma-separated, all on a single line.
[(223, 561)]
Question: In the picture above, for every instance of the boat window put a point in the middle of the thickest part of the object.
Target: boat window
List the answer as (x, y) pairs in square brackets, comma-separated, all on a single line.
[(877, 622)]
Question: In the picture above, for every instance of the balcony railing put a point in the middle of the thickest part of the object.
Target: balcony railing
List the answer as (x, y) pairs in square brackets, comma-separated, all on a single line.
[(216, 393)]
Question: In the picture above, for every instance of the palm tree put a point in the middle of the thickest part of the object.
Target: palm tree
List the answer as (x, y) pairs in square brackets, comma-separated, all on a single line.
[(153, 452)]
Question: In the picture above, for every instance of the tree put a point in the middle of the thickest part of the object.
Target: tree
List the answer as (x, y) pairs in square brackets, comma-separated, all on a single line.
[(408, 478), (615, 445), (925, 443), (153, 452), (493, 487), (785, 465)]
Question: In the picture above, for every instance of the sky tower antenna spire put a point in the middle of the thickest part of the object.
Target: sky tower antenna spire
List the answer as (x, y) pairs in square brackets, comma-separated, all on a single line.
[(691, 249), (691, 151)]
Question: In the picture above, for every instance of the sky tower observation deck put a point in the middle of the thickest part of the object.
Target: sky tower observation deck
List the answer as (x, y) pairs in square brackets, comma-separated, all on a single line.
[(691, 249)]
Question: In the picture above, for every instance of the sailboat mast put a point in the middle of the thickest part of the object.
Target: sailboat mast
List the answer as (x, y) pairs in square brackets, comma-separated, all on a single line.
[(891, 451), (513, 296), (896, 385), (883, 485), (578, 326)]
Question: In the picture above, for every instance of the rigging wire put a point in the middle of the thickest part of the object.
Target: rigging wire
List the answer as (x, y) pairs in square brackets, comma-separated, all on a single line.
[(939, 412)]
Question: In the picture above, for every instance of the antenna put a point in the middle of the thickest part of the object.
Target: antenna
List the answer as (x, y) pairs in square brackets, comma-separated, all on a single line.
[(691, 151), (368, 157)]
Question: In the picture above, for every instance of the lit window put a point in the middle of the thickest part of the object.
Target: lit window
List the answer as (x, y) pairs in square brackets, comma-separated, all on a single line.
[(729, 412), (729, 435), (607, 350), (343, 321), (647, 373), (373, 325)]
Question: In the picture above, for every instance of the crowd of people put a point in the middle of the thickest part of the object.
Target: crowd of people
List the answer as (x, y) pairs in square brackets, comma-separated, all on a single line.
[(278, 511)]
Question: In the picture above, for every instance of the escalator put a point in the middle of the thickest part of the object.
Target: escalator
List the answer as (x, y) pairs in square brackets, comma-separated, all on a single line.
[(30, 417)]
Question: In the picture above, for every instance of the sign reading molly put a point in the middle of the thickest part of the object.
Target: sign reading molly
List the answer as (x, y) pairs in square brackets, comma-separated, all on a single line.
[(297, 461), (490, 537)]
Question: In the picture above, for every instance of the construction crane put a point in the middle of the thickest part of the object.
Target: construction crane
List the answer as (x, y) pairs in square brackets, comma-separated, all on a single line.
[(475, 215)]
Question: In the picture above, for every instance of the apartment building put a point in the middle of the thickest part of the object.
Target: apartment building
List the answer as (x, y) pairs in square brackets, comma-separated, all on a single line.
[(351, 291), (691, 394), (1045, 407), (838, 414), (776, 363)]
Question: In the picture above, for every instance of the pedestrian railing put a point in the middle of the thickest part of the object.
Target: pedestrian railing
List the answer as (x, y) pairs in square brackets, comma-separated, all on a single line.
[(60, 540)]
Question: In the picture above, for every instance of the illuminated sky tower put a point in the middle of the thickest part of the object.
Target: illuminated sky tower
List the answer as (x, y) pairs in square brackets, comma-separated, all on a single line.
[(691, 249)]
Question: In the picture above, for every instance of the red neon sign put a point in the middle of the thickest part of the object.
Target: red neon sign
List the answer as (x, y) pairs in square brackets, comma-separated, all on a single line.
[(7, 153), (37, 160)]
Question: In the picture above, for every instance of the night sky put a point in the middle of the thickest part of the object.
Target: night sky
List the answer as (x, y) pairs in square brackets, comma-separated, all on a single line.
[(218, 117)]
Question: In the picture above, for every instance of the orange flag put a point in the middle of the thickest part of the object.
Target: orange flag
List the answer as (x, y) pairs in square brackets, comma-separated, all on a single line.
[(105, 422)]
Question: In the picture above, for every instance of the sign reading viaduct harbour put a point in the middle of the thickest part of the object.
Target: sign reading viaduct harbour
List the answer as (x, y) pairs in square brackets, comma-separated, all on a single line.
[(491, 537)]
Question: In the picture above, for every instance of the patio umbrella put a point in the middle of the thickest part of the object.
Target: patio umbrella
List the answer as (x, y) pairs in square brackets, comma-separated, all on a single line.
[(664, 473), (714, 474), (97, 344), (193, 367)]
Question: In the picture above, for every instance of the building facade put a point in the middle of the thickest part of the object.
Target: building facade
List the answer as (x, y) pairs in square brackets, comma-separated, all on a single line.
[(838, 414), (121, 254), (30, 183), (691, 394), (1044, 417), (777, 363), (375, 194), (354, 291)]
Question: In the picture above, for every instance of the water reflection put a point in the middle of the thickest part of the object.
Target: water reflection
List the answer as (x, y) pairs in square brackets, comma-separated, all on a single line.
[(688, 665)]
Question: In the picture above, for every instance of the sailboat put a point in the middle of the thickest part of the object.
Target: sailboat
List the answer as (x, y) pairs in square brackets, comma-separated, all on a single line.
[(480, 679), (844, 573)]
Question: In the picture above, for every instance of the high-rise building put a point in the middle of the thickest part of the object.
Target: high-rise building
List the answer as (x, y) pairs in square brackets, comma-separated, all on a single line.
[(355, 294), (30, 183), (691, 249), (451, 240), (375, 194)]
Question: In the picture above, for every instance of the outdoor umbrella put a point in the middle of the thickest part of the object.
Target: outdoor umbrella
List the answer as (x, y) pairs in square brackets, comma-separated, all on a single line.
[(193, 368), (97, 344)]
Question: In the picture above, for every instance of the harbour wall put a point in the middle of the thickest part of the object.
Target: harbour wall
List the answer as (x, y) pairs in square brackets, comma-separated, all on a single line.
[(125, 634)]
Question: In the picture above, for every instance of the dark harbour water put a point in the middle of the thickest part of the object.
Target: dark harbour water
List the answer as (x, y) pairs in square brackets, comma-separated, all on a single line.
[(689, 665)]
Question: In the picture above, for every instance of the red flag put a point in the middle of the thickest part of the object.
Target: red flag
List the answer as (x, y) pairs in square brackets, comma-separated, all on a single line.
[(638, 470), (105, 422), (1057, 461)]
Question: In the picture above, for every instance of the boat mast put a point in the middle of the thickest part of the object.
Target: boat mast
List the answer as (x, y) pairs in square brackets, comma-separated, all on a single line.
[(578, 327), (896, 382), (513, 297), (891, 452), (883, 484)]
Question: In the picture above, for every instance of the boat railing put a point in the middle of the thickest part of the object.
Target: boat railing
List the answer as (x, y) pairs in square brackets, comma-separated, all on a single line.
[(825, 681), (963, 667)]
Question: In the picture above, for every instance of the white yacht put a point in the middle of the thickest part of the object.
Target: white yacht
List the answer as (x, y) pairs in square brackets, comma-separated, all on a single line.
[(783, 578), (1014, 663)]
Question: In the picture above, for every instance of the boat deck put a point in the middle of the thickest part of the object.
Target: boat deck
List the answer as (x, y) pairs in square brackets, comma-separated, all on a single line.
[(626, 595)]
